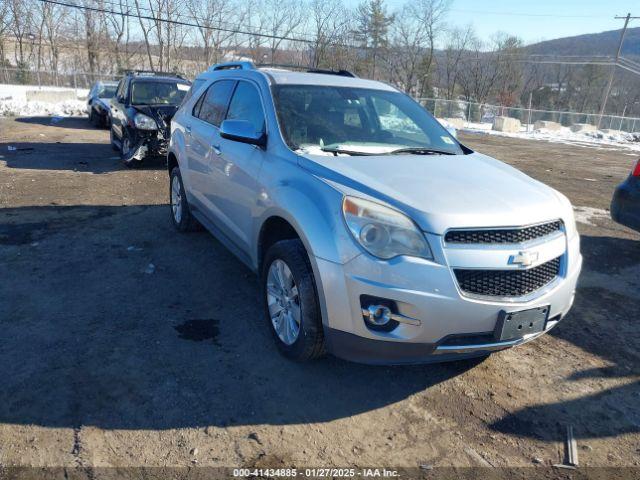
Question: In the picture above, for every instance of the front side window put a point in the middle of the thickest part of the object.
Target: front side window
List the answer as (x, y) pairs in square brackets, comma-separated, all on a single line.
[(246, 105), (212, 106), (149, 92), (358, 121), (120, 90)]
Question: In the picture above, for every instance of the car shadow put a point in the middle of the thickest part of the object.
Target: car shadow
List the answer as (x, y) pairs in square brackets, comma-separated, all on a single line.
[(603, 322), (113, 319), (77, 157), (77, 123)]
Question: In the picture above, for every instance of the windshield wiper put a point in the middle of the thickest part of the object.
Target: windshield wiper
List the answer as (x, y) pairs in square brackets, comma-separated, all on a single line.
[(336, 151), (420, 151)]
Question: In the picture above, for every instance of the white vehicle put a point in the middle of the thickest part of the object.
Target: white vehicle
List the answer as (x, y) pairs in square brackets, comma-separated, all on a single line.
[(377, 235)]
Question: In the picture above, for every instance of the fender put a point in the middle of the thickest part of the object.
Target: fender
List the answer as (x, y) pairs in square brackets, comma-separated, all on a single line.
[(315, 214)]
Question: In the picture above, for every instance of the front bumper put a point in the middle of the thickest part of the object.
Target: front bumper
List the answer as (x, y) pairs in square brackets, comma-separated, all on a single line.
[(625, 205), (148, 143), (452, 325)]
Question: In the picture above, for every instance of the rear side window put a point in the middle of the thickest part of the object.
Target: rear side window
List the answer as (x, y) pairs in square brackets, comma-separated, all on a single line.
[(246, 105), (212, 106)]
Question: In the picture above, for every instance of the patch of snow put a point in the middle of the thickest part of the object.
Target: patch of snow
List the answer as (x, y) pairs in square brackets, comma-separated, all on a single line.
[(597, 139), (13, 102), (22, 108), (587, 215), (19, 92)]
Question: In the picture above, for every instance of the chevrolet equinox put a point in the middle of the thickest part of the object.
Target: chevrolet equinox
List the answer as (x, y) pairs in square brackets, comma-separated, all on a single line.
[(377, 236)]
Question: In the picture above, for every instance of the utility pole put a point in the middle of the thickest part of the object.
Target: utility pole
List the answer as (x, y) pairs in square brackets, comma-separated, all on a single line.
[(613, 67)]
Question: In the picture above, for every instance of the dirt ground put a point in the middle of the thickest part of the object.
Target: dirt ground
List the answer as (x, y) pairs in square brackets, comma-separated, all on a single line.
[(125, 343)]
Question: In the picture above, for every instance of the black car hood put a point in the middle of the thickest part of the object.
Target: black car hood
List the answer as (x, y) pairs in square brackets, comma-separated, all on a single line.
[(162, 114)]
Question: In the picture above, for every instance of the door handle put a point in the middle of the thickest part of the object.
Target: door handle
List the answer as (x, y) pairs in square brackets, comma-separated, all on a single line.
[(216, 148)]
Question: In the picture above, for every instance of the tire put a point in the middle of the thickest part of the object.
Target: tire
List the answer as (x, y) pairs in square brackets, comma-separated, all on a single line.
[(94, 118), (124, 150), (185, 221), (112, 140), (302, 298)]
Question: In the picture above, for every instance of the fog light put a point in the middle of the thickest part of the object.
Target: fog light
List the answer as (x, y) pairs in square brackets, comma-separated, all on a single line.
[(379, 314)]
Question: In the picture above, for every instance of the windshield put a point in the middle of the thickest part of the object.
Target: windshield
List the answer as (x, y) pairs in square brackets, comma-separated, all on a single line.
[(107, 91), (355, 121), (158, 93)]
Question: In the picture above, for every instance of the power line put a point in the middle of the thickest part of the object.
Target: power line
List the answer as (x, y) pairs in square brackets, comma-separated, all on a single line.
[(607, 91), (176, 22), (221, 25)]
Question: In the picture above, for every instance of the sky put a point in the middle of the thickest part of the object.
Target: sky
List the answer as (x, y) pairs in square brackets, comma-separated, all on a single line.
[(536, 20)]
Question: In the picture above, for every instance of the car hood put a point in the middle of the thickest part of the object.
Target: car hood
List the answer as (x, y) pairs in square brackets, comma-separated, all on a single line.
[(443, 191)]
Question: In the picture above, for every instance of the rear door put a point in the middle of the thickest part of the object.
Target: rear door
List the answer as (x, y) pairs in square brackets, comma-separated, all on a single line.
[(236, 167), (204, 139)]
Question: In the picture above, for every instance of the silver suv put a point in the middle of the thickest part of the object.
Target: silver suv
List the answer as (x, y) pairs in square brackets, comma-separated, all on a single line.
[(377, 236)]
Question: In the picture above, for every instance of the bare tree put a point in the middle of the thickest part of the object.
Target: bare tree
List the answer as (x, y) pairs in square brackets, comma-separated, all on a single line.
[(509, 77), (208, 14), (330, 26), (6, 21), (454, 51), (21, 24), (478, 73), (280, 18), (408, 46)]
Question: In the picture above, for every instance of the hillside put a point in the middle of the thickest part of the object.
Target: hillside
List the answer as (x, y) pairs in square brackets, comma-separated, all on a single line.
[(604, 43)]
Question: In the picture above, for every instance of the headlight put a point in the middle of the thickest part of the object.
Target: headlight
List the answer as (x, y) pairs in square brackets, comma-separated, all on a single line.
[(144, 122), (382, 231)]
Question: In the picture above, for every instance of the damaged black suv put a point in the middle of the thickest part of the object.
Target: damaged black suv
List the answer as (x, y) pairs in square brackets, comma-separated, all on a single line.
[(141, 113)]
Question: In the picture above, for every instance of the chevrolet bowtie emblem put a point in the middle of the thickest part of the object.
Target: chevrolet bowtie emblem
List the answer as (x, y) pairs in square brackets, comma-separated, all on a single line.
[(524, 259)]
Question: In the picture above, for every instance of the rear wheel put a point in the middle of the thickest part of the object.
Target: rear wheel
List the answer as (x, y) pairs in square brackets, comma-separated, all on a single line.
[(291, 303), (181, 215)]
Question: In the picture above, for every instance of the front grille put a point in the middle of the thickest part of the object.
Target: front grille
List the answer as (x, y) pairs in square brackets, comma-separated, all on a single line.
[(504, 235), (507, 283)]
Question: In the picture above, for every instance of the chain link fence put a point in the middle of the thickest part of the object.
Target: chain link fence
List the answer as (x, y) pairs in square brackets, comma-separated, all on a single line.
[(474, 115), (48, 78), (482, 115)]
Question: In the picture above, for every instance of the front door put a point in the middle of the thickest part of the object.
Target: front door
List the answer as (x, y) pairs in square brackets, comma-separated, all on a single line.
[(236, 167)]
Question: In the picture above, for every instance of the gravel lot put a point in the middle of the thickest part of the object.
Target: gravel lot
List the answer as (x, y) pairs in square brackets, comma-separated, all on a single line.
[(127, 344)]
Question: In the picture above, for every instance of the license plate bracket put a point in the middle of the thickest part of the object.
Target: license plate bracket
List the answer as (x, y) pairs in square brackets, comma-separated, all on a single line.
[(514, 325)]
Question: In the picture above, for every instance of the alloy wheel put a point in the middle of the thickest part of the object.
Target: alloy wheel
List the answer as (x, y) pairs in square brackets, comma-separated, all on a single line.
[(176, 199), (284, 302)]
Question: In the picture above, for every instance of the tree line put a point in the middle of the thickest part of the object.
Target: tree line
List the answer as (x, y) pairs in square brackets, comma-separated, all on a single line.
[(415, 47)]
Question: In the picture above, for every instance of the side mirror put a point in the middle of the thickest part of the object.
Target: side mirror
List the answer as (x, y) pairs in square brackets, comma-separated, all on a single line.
[(242, 131)]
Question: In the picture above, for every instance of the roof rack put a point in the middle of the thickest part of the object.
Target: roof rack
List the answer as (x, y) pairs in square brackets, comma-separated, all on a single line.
[(232, 66), (342, 73), (152, 73)]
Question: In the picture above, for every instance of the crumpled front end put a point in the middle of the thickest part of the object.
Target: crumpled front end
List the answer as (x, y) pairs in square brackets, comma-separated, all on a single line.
[(152, 142)]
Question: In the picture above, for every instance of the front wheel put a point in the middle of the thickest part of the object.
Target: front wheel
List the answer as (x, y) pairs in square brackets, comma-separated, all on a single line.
[(291, 303), (126, 152), (112, 140)]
